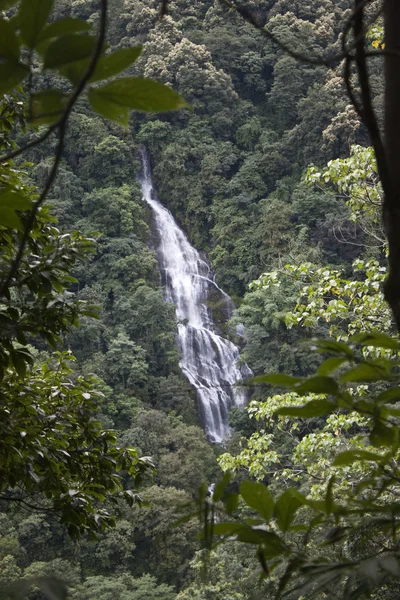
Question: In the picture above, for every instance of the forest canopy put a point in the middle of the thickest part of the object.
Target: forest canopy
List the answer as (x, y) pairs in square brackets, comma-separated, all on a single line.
[(269, 169)]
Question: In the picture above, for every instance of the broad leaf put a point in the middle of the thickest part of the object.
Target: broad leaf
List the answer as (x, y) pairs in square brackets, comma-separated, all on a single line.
[(116, 98), (9, 219), (14, 200), (4, 4), (351, 456), (314, 408), (257, 496), (32, 17), (110, 110), (280, 379), (69, 49), (365, 372), (47, 107), (11, 75), (226, 528), (381, 435), (231, 502), (62, 27), (285, 509), (273, 545), (378, 340), (331, 364), (317, 385), (9, 46), (115, 63), (392, 395), (220, 487), (334, 347)]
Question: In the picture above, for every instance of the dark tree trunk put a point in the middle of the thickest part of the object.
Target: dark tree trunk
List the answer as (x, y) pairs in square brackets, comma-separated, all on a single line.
[(392, 152)]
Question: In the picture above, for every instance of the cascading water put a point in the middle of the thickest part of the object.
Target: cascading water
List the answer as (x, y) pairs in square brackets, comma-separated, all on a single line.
[(208, 360)]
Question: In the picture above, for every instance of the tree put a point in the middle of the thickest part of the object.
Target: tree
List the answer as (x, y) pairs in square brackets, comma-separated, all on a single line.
[(370, 357), (125, 587), (55, 455)]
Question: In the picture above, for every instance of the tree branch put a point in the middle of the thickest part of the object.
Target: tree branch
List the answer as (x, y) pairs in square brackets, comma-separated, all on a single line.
[(329, 61), (61, 126)]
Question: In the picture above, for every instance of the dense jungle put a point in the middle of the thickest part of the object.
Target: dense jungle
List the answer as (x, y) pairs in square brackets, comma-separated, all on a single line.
[(269, 171)]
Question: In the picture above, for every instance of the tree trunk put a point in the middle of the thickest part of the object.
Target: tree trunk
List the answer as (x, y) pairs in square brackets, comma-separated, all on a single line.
[(392, 152)]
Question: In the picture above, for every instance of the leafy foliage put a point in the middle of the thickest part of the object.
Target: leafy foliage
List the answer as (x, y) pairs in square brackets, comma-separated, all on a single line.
[(66, 47), (230, 172), (294, 533)]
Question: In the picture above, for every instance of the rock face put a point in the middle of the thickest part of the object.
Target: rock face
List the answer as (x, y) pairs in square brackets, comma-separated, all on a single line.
[(208, 360)]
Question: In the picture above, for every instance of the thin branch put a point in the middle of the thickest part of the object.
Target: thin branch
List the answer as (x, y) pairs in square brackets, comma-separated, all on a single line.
[(61, 125), (27, 504), (311, 60), (29, 145)]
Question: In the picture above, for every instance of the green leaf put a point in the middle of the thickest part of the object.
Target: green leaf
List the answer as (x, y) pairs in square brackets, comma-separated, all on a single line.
[(226, 528), (280, 379), (220, 487), (4, 4), (231, 502), (115, 63), (335, 535), (389, 396), (381, 435), (248, 535), (115, 99), (14, 200), (378, 340), (333, 346), (107, 66), (32, 18), (9, 219), (331, 364), (286, 507), (69, 49), (19, 363), (314, 408), (317, 385), (257, 496), (273, 545), (365, 372), (48, 106), (64, 26), (11, 75), (9, 46), (351, 456)]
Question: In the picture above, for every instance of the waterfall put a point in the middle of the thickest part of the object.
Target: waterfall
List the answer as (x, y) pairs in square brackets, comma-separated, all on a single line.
[(207, 360)]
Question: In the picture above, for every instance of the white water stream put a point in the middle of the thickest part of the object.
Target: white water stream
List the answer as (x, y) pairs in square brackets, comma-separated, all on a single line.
[(208, 360)]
